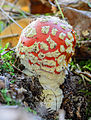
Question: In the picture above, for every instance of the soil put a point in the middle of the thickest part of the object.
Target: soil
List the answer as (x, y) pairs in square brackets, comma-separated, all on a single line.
[(26, 90)]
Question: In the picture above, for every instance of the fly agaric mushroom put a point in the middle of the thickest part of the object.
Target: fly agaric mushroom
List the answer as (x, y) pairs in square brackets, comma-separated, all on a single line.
[(45, 49)]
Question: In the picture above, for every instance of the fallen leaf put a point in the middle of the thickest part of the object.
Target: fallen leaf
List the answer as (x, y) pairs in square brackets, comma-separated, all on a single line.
[(80, 20), (40, 7), (78, 4), (11, 30), (23, 4)]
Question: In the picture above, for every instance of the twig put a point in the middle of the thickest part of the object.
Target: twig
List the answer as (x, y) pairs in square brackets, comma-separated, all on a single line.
[(10, 62), (17, 68), (9, 36), (59, 8), (52, 3), (15, 18), (14, 6), (56, 6), (86, 78), (10, 17), (16, 12), (7, 51), (81, 74), (85, 42), (85, 73), (2, 6), (2, 3)]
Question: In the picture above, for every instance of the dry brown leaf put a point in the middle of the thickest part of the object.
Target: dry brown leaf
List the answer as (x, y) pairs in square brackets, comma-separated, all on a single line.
[(80, 20), (14, 29), (40, 7), (23, 4)]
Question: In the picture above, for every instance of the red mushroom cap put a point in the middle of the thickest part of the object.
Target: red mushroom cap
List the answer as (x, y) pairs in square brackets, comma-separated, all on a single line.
[(47, 43)]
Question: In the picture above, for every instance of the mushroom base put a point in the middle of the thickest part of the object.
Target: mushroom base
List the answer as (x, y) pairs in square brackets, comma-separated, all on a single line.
[(52, 94), (52, 99)]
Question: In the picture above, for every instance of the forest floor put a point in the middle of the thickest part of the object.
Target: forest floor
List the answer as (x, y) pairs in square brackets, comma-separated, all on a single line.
[(19, 89), (16, 88)]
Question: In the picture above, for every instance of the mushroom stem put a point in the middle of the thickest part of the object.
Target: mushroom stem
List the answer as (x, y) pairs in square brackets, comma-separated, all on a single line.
[(52, 94)]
